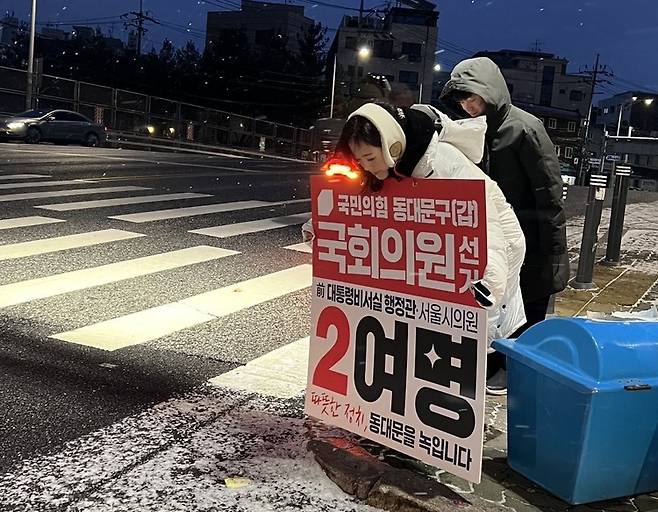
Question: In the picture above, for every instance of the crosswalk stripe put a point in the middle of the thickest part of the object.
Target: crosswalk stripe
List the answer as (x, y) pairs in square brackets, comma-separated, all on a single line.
[(303, 247), (22, 176), (66, 193), (280, 373), (177, 213), (189, 211), (119, 201), (159, 321), (41, 288), (40, 184), (62, 243), (254, 226), (23, 222)]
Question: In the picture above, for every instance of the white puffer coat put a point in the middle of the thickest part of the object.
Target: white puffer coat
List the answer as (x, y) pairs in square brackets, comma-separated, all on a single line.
[(452, 154)]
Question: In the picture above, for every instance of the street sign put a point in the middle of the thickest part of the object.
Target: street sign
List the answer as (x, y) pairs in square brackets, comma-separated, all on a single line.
[(398, 344), (613, 158), (595, 161)]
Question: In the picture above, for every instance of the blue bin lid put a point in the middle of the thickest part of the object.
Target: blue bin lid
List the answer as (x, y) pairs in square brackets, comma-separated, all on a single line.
[(590, 355)]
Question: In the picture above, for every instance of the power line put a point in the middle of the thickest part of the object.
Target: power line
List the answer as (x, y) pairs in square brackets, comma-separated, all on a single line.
[(138, 21), (93, 21), (468, 51), (327, 4), (223, 4), (633, 84)]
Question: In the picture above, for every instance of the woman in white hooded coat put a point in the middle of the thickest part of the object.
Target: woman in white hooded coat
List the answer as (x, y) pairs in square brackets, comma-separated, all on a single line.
[(423, 143)]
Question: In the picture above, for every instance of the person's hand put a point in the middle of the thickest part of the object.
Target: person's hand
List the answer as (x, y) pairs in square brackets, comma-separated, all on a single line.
[(482, 294)]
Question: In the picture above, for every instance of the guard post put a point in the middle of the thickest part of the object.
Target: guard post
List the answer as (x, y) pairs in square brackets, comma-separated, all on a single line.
[(613, 250), (597, 188)]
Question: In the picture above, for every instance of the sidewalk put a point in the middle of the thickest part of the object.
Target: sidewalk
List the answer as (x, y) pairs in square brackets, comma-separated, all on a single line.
[(412, 486)]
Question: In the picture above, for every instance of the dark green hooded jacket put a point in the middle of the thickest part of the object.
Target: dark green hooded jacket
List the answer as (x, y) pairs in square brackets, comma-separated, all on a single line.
[(523, 161)]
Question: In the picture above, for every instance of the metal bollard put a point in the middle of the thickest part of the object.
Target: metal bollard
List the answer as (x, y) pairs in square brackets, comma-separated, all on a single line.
[(585, 272), (613, 250)]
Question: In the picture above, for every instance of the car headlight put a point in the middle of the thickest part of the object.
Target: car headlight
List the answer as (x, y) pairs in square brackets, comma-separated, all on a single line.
[(15, 125)]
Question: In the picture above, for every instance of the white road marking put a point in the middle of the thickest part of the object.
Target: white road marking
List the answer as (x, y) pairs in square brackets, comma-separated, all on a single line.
[(40, 288), (303, 247), (254, 226), (23, 222), (280, 373), (119, 201), (62, 243), (190, 211), (22, 176), (66, 193), (39, 184), (159, 321)]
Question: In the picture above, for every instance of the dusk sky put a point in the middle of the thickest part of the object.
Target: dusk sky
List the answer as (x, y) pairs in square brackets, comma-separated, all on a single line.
[(625, 33)]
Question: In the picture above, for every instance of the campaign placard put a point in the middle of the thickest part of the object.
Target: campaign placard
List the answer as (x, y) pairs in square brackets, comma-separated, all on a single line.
[(398, 343)]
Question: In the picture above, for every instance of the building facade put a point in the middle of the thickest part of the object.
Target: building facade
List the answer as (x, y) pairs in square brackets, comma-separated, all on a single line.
[(260, 22), (634, 112), (400, 45), (542, 79), (52, 32), (10, 28)]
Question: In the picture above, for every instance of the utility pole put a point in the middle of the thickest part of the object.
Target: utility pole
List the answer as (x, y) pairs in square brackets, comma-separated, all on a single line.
[(594, 78), (424, 63), (137, 22)]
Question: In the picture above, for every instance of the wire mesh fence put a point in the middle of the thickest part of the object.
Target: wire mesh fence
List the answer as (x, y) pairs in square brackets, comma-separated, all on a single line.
[(160, 118)]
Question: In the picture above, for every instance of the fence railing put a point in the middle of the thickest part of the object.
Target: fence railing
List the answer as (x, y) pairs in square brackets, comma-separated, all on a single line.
[(151, 116)]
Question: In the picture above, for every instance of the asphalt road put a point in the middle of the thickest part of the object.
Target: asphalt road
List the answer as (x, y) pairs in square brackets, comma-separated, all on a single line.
[(153, 310), (52, 390)]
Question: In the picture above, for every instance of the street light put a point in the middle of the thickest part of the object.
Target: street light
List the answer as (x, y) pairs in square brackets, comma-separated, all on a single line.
[(30, 62), (621, 111), (364, 52), (333, 86), (647, 103), (436, 68)]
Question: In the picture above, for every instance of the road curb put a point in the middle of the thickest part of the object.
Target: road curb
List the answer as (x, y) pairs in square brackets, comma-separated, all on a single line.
[(359, 473), (121, 140)]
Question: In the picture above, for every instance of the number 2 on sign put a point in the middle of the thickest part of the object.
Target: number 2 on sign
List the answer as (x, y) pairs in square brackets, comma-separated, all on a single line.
[(324, 376)]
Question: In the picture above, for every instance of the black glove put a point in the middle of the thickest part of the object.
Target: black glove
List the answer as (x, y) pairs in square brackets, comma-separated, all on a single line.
[(482, 294)]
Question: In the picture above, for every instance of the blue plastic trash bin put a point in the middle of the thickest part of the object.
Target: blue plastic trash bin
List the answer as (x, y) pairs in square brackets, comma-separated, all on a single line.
[(582, 413)]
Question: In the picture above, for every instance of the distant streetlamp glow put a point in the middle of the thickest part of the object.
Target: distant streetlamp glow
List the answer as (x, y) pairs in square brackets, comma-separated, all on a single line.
[(437, 67), (364, 52), (648, 102)]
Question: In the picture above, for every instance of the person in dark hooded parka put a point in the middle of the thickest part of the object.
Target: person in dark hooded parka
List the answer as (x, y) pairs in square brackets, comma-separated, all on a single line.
[(524, 163)]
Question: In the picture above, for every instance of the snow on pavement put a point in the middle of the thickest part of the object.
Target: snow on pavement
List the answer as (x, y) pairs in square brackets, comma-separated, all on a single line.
[(178, 455)]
